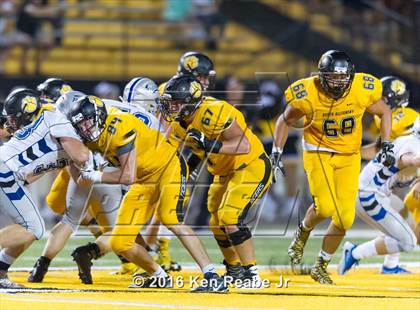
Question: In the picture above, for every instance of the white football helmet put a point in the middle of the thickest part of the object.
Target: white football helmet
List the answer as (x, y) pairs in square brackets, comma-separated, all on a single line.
[(144, 92), (65, 102)]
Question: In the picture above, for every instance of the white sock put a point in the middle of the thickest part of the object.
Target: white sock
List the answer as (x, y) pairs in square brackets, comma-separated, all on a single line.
[(392, 260), (325, 255), (160, 273), (6, 258), (154, 247), (364, 250), (208, 268), (164, 232)]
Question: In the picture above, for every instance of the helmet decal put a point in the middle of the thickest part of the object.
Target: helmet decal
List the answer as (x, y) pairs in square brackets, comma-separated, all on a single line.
[(195, 89), (29, 104), (190, 62), (398, 87), (65, 89), (96, 101)]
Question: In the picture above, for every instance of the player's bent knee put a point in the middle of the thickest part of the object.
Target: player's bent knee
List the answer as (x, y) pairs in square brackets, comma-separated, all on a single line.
[(37, 232), (408, 243), (240, 236)]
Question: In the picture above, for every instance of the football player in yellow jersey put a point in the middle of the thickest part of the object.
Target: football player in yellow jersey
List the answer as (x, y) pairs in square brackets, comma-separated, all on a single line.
[(201, 67), (332, 104), (396, 95), (156, 175), (216, 131)]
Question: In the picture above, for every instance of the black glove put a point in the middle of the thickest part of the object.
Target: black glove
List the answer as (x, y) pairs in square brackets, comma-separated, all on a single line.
[(277, 164), (386, 155), (199, 139)]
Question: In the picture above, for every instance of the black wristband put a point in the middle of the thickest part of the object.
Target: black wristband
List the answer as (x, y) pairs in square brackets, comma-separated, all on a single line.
[(217, 145)]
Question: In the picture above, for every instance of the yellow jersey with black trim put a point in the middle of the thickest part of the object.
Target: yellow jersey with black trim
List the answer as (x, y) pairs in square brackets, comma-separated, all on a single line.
[(333, 125), (212, 118), (402, 122), (122, 133)]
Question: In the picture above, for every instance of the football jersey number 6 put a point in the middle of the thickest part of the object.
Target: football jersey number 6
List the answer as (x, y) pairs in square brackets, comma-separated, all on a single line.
[(346, 126)]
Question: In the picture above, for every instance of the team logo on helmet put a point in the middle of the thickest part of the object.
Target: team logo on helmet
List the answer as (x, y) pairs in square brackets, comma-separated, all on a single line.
[(195, 89), (65, 89), (29, 104), (96, 101), (190, 62), (398, 87)]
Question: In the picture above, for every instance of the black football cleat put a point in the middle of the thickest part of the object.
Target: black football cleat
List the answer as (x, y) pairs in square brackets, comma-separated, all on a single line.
[(214, 284), (39, 271), (83, 256)]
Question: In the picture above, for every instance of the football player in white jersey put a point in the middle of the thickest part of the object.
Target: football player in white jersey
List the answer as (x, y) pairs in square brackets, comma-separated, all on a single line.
[(376, 183), (109, 195), (41, 142), (77, 198)]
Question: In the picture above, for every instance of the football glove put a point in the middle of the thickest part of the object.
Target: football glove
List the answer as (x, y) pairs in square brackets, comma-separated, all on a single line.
[(95, 176), (386, 155), (198, 139), (276, 162)]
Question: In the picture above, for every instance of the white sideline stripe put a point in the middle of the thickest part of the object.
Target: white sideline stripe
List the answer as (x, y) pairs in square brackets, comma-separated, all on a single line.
[(193, 267), (277, 233), (110, 302)]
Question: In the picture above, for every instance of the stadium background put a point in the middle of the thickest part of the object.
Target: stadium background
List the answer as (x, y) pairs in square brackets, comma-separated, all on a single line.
[(258, 47)]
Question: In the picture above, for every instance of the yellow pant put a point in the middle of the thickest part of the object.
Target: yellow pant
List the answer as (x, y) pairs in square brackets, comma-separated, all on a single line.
[(413, 205), (231, 196), (164, 192), (333, 182), (56, 198)]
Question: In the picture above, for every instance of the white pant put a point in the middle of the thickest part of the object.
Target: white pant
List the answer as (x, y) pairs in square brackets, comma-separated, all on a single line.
[(17, 203), (109, 195), (376, 210)]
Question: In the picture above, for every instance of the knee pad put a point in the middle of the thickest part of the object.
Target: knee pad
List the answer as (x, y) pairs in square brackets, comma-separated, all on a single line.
[(391, 245), (240, 236), (223, 243)]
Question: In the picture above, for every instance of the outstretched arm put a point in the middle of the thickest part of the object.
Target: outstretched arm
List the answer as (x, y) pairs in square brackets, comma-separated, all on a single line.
[(289, 116), (381, 109)]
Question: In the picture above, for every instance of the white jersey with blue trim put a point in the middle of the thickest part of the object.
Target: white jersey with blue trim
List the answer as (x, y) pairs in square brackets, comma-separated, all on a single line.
[(148, 118), (35, 149), (377, 178)]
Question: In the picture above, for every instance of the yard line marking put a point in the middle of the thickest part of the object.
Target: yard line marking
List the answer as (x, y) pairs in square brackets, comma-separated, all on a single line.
[(193, 267)]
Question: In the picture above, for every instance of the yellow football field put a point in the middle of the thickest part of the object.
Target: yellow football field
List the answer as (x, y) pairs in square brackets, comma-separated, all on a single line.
[(361, 289)]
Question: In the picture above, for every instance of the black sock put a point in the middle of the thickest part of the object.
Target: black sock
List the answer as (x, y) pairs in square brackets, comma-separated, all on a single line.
[(45, 260), (4, 266)]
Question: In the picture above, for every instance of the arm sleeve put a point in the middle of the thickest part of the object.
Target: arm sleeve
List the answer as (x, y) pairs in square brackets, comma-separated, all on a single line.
[(217, 119), (290, 98), (124, 137)]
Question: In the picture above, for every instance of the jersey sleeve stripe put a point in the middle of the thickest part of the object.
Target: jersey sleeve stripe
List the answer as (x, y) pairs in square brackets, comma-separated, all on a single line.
[(129, 134), (125, 148)]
